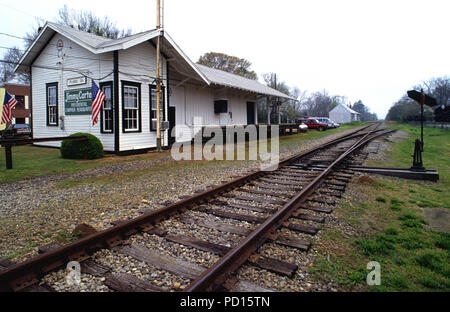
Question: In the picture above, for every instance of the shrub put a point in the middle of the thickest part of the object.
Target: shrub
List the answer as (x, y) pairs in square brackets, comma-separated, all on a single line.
[(80, 150)]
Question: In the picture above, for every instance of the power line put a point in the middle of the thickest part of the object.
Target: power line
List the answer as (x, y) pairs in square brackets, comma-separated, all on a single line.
[(79, 57), (72, 56), (87, 76), (59, 69), (13, 36), (20, 11)]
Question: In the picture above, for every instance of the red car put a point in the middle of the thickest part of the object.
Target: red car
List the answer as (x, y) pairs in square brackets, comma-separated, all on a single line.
[(313, 124)]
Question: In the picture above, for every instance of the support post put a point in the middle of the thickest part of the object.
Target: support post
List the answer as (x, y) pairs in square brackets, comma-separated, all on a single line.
[(8, 156), (421, 120), (417, 161)]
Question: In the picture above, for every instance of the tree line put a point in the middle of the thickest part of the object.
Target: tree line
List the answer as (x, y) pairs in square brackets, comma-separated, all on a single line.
[(406, 109)]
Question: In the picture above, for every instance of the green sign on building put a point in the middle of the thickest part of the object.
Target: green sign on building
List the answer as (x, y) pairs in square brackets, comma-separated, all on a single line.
[(78, 101)]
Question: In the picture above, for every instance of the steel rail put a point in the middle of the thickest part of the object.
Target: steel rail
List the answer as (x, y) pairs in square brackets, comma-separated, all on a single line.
[(219, 272), (27, 273)]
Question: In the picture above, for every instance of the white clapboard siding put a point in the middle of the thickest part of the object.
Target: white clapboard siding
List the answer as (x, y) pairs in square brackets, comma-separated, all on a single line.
[(194, 101), (76, 58), (138, 64)]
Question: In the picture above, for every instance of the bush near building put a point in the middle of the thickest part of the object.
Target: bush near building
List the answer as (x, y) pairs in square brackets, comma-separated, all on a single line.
[(80, 150)]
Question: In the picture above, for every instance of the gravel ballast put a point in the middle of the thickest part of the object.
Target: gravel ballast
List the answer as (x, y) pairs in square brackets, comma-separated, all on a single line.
[(44, 210)]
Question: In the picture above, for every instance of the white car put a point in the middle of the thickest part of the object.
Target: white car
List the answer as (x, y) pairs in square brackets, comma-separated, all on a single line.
[(303, 128)]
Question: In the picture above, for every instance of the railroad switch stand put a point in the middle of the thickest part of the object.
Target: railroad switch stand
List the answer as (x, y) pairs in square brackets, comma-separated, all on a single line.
[(417, 161)]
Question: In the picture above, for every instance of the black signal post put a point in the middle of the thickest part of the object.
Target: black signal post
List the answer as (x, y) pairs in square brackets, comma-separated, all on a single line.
[(422, 99)]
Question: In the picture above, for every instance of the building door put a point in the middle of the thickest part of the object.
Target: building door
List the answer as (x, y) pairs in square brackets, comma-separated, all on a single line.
[(172, 122), (250, 113)]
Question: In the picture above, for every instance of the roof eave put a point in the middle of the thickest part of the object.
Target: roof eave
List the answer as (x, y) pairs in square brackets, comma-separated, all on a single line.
[(30, 48), (253, 91), (128, 44), (186, 58), (20, 65)]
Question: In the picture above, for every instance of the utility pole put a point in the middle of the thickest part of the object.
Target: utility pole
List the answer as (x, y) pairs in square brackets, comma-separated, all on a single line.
[(276, 106), (158, 76), (422, 104)]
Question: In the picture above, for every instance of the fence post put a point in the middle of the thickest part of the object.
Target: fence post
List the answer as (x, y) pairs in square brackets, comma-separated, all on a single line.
[(8, 156)]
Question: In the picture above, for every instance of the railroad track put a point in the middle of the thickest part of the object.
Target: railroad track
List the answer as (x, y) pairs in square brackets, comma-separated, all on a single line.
[(283, 207)]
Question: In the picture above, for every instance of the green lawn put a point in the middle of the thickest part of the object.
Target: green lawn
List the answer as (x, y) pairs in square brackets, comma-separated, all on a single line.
[(31, 161), (391, 227)]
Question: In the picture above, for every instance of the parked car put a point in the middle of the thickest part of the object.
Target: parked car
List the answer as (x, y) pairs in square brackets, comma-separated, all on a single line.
[(328, 121), (16, 131), (312, 123), (302, 127)]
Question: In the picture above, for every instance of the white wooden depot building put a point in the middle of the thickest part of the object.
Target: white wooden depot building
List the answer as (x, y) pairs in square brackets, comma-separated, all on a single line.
[(343, 114), (62, 62)]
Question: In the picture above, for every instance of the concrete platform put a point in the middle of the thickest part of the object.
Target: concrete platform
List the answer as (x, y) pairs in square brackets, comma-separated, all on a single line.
[(405, 173), (438, 218)]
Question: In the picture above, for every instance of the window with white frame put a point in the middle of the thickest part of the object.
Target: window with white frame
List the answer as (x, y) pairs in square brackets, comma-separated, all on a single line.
[(107, 109), (131, 107), (52, 104)]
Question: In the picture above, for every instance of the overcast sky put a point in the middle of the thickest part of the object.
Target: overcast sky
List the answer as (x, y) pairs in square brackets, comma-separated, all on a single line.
[(369, 50)]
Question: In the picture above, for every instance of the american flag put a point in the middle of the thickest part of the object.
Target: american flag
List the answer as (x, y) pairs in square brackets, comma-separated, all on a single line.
[(97, 101), (8, 105)]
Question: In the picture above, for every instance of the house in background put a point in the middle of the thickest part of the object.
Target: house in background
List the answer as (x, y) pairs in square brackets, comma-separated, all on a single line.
[(442, 112), (63, 61), (21, 113), (343, 114)]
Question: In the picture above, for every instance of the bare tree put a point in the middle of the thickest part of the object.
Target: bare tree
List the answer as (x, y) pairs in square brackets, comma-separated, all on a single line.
[(87, 21), (11, 58)]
